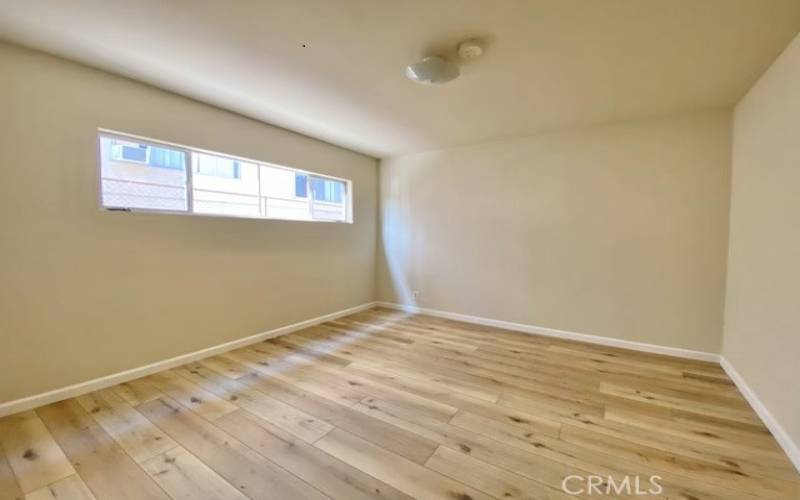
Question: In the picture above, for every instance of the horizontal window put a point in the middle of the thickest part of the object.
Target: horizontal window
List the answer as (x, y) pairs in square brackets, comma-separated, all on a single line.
[(138, 174)]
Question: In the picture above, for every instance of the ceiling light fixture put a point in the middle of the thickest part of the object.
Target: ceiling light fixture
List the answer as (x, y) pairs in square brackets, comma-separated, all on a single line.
[(434, 70)]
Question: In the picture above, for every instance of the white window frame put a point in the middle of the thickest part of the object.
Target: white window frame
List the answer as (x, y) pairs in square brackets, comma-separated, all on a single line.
[(188, 150)]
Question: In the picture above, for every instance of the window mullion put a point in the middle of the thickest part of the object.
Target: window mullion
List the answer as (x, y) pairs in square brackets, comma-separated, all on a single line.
[(310, 197), (188, 161), (262, 204)]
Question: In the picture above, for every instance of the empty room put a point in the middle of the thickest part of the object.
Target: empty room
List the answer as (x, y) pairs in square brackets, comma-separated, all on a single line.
[(421, 249)]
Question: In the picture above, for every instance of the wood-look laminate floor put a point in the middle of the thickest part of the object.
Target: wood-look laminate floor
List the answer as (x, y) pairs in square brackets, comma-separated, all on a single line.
[(386, 405)]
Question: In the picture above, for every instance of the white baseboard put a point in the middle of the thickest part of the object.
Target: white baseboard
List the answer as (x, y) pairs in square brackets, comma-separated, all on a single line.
[(71, 391), (778, 432), (563, 334)]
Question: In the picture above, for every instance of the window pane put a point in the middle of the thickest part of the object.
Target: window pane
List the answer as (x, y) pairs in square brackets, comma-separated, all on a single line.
[(327, 190), (129, 180), (224, 186), (129, 152), (217, 166), (328, 199), (301, 185), (279, 192), (166, 158)]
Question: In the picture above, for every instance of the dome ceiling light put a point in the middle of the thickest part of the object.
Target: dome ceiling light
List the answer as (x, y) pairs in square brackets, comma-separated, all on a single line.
[(434, 70)]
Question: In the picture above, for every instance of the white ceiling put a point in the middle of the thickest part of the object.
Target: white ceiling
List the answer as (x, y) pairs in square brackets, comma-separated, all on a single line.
[(334, 69)]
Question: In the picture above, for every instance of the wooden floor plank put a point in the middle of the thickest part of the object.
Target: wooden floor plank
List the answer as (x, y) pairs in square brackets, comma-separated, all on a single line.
[(736, 414), (724, 475), (225, 366), (70, 488), (31, 451), (184, 477), (366, 387), (287, 417), (298, 369), (747, 443), (191, 395), (451, 383), (336, 478), (407, 444), (548, 472), (735, 459), (522, 456), (254, 475), (542, 422), (105, 467), (300, 375), (137, 391), (134, 433), (9, 487), (406, 476), (488, 478), (568, 398)]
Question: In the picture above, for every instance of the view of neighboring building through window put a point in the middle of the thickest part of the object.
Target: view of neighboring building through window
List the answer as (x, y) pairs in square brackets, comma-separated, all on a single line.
[(327, 190), (217, 166), (139, 174), (147, 155), (301, 185), (134, 177)]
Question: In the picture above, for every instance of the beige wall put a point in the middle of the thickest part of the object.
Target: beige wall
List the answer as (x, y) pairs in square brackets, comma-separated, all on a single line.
[(85, 293), (762, 312), (618, 231)]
